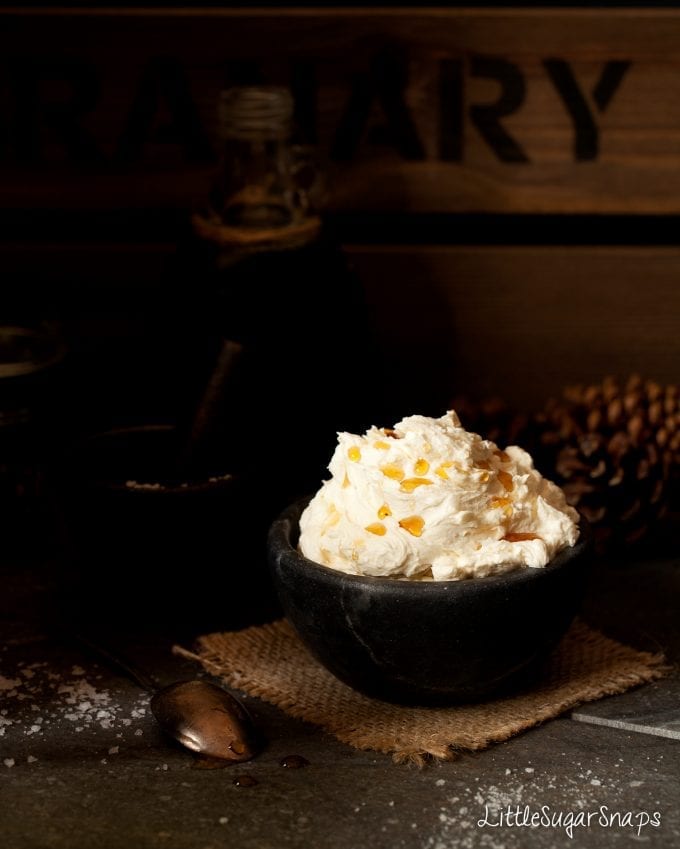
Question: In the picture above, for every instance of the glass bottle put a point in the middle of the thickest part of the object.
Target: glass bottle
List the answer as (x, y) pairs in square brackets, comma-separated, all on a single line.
[(263, 269)]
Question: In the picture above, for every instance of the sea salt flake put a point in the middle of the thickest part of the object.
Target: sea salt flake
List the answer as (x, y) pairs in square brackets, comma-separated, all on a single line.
[(9, 762)]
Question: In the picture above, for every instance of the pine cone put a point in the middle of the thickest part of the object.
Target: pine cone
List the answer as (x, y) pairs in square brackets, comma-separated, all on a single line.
[(612, 449)]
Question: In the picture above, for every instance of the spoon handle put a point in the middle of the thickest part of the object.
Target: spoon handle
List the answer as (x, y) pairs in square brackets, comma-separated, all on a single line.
[(204, 418), (115, 660)]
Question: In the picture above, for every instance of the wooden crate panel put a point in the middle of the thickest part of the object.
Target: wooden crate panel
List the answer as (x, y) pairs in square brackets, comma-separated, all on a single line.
[(521, 323), (433, 110)]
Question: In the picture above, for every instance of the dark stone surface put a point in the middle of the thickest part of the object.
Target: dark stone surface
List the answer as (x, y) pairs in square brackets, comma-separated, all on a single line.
[(78, 792)]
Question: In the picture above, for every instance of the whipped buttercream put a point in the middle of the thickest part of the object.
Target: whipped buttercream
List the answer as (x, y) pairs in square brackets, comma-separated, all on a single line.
[(429, 500)]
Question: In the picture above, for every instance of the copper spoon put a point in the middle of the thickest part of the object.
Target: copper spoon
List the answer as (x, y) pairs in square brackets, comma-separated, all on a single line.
[(206, 719), (201, 716)]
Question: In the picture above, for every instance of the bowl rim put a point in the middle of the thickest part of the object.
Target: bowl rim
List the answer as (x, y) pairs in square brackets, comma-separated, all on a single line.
[(286, 524), (90, 443)]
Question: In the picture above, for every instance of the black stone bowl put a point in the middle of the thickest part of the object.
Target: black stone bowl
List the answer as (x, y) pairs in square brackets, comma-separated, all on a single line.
[(428, 643)]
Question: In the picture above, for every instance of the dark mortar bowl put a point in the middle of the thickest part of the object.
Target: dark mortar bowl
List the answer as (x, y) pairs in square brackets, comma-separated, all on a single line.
[(427, 643), (152, 547)]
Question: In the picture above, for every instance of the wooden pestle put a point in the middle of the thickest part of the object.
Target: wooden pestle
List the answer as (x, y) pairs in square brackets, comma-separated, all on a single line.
[(203, 419)]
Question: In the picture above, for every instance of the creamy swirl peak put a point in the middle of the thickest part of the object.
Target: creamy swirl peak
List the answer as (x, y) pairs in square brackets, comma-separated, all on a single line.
[(428, 500)]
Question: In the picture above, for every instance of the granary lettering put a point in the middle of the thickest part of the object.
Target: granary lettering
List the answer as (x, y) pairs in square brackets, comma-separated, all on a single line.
[(586, 132), (50, 100), (163, 85), (52, 107), (487, 117), (384, 83)]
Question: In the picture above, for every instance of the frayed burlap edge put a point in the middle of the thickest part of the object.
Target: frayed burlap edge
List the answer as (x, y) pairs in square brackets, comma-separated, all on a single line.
[(270, 662)]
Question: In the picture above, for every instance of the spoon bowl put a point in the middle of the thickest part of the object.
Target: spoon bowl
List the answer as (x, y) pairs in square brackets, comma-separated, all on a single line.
[(206, 719)]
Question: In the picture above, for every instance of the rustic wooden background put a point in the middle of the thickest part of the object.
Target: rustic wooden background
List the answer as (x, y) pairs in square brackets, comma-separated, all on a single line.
[(506, 181)]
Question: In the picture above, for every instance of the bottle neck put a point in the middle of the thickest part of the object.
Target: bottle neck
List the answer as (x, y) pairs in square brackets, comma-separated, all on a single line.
[(254, 189), (255, 203)]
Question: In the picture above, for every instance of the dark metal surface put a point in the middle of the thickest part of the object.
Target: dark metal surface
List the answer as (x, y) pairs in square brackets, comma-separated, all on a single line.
[(119, 782)]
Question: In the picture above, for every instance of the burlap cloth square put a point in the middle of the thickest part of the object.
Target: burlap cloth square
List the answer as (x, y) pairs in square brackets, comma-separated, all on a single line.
[(270, 662)]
